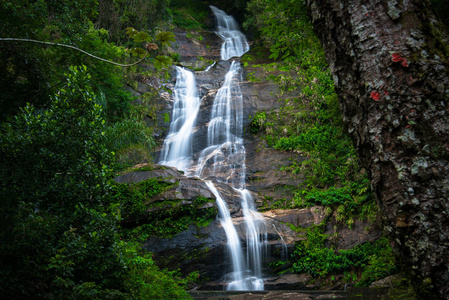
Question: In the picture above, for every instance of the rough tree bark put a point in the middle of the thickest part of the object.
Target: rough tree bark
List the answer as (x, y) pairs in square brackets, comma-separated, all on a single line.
[(390, 62)]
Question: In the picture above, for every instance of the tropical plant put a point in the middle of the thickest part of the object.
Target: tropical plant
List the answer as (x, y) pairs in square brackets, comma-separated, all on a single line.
[(58, 241)]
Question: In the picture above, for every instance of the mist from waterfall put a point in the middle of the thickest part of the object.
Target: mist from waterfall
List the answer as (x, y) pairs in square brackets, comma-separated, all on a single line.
[(224, 157)]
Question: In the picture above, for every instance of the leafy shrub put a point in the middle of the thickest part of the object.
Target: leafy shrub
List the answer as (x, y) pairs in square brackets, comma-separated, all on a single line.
[(146, 281), (258, 122), (59, 241), (374, 260)]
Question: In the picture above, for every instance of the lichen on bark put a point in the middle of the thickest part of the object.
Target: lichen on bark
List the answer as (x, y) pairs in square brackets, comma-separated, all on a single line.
[(389, 61)]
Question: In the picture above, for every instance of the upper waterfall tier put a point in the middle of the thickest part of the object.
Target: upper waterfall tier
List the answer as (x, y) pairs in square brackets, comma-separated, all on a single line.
[(234, 41)]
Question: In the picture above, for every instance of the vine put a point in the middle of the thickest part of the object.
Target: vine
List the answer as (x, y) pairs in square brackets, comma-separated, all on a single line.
[(74, 48)]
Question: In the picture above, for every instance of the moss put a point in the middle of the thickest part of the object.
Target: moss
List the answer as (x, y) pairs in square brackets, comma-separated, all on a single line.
[(198, 253), (143, 167)]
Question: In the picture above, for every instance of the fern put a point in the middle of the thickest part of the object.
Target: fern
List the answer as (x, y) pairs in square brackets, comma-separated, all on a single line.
[(162, 61), (165, 37)]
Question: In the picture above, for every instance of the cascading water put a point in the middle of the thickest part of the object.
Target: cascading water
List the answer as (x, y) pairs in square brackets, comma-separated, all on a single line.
[(224, 160), (177, 149), (232, 236), (225, 154), (234, 41), (224, 157)]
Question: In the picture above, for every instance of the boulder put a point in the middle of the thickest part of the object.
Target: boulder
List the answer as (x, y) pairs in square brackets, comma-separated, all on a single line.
[(289, 282)]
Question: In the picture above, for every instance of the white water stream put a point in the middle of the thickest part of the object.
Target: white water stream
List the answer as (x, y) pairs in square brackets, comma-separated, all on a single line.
[(177, 149), (224, 157), (234, 41)]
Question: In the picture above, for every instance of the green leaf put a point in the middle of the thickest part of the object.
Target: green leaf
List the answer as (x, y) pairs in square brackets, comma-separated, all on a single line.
[(138, 52), (141, 37), (131, 32), (162, 61), (165, 37)]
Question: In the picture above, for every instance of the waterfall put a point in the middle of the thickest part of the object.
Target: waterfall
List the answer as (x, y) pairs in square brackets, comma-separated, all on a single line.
[(234, 246), (177, 149), (224, 160), (224, 157), (234, 41)]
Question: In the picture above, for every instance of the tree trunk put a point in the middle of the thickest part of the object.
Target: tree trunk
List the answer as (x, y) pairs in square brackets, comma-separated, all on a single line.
[(389, 61)]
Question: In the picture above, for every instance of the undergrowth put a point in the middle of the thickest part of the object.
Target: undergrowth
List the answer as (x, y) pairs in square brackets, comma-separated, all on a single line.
[(308, 122), (189, 14), (364, 264)]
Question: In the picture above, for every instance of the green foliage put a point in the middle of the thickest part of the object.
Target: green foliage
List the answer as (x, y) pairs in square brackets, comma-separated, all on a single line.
[(127, 136), (132, 197), (165, 38), (60, 233), (373, 260), (107, 80), (31, 73), (380, 265), (58, 240), (189, 14), (258, 121), (309, 124), (284, 27), (138, 36), (147, 281), (165, 218), (162, 61), (117, 15), (70, 17), (173, 218)]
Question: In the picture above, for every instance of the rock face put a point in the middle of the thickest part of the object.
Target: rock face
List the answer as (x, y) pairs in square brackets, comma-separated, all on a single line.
[(204, 249), (390, 68)]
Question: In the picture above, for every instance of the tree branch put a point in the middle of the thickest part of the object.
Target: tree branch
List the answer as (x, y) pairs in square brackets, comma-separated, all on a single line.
[(74, 48)]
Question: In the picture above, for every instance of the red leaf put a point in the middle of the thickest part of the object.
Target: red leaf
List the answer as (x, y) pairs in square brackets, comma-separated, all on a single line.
[(396, 57), (375, 96)]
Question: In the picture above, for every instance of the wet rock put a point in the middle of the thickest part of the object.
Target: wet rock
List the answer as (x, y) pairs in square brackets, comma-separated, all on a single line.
[(289, 282), (192, 44), (204, 249), (343, 237), (264, 175), (390, 281)]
